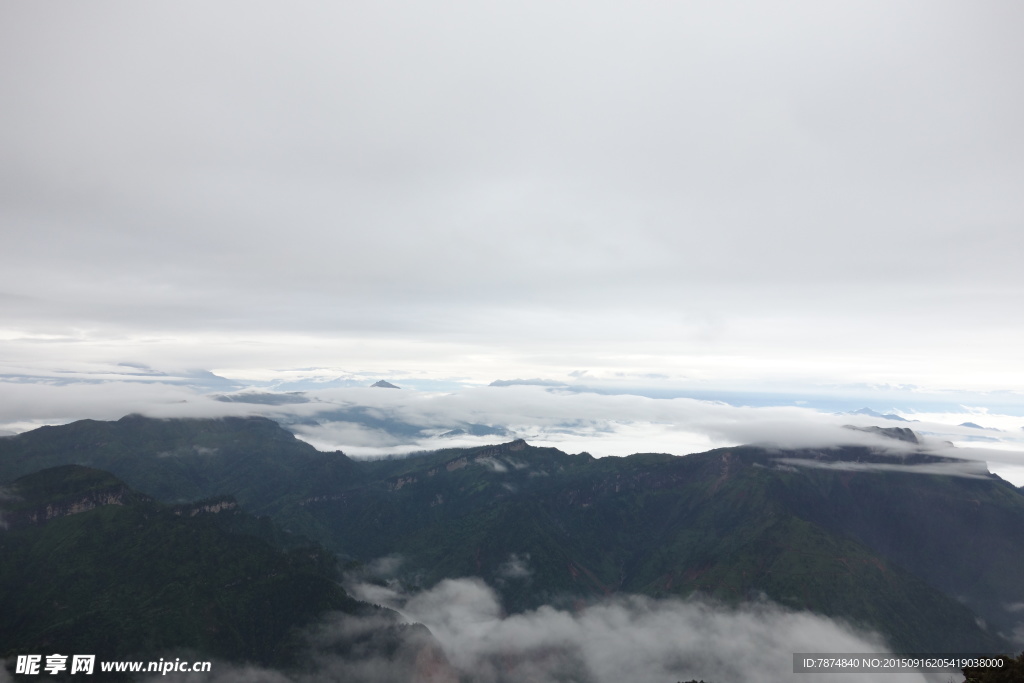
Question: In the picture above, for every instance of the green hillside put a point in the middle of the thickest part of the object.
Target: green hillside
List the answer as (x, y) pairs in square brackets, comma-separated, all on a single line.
[(723, 524), (89, 565)]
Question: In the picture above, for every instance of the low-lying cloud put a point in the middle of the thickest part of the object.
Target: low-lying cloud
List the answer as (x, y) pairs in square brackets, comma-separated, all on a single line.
[(967, 469), (622, 638), (625, 638)]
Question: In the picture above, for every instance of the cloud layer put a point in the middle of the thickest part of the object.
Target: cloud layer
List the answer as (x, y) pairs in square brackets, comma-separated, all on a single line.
[(617, 639), (790, 193), (371, 422), (630, 638)]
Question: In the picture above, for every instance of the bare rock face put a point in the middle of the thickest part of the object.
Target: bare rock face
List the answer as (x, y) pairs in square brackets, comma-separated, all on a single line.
[(60, 492), (74, 507), (211, 506)]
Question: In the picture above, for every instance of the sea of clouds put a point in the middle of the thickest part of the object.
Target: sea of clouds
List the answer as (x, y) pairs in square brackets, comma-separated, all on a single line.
[(375, 422), (619, 638)]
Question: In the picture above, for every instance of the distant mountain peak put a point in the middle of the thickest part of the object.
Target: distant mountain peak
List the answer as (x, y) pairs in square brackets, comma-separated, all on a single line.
[(874, 413), (384, 384)]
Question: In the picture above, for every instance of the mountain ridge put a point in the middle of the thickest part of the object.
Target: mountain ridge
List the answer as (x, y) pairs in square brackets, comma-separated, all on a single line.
[(731, 523)]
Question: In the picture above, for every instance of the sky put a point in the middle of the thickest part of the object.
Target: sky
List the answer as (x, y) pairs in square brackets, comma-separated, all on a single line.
[(784, 204)]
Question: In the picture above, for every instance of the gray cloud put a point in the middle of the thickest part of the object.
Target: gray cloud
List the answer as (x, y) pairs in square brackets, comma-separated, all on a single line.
[(35, 403), (626, 638), (620, 638), (579, 182), (494, 464), (517, 566), (969, 470)]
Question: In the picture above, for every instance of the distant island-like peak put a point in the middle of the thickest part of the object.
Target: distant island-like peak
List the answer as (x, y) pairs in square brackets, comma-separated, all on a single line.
[(384, 384)]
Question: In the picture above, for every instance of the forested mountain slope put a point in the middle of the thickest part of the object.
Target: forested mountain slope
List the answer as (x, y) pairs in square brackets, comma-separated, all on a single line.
[(930, 560)]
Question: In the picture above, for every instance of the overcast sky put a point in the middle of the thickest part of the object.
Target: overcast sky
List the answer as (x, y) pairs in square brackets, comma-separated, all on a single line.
[(735, 195)]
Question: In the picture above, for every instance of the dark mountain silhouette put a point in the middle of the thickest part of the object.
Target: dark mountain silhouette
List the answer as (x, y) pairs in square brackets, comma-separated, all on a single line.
[(874, 413)]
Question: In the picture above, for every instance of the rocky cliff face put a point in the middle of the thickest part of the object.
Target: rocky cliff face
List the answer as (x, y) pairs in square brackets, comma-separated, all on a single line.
[(212, 506), (59, 492), (64, 508)]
